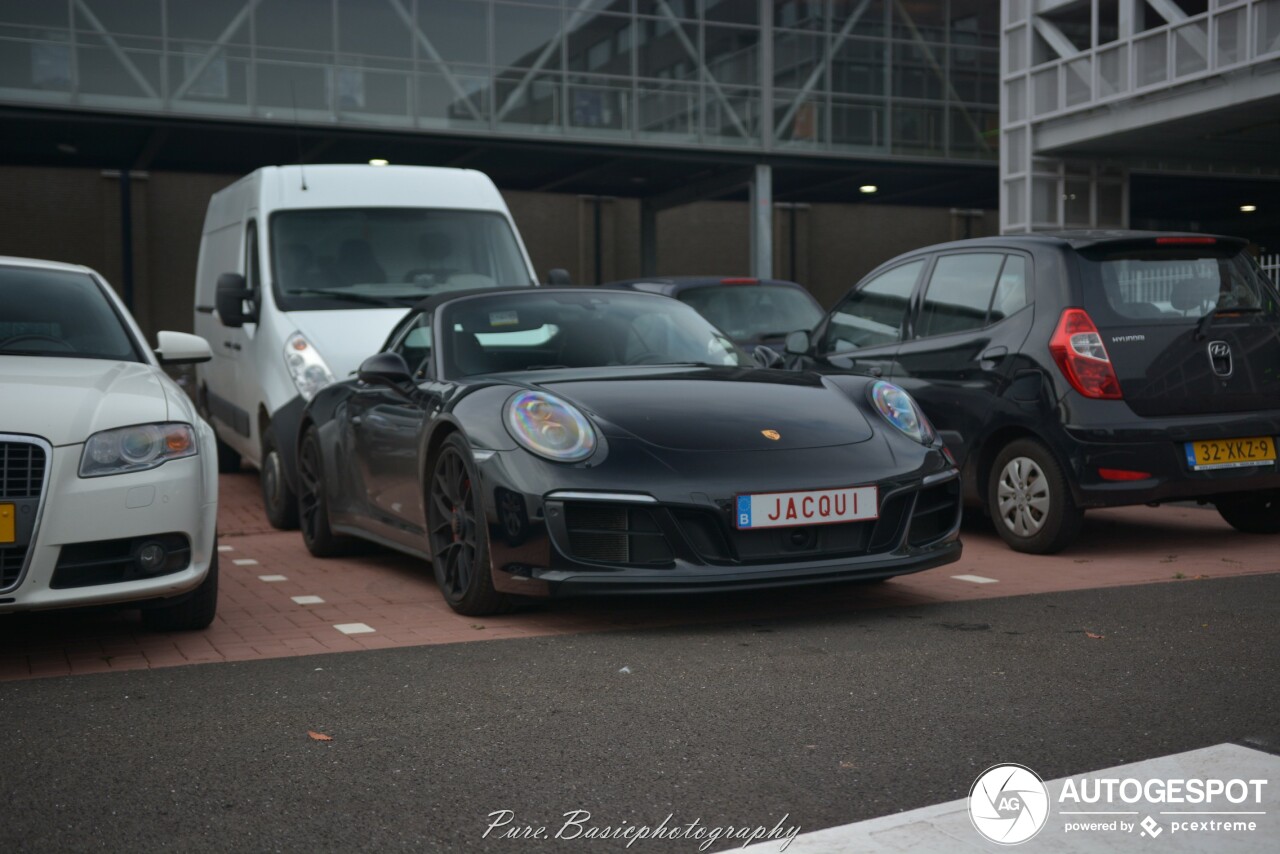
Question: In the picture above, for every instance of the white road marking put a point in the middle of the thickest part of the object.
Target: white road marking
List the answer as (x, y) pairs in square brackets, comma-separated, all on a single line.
[(245, 561), (226, 548), (976, 579), (354, 628), (308, 600), (272, 578)]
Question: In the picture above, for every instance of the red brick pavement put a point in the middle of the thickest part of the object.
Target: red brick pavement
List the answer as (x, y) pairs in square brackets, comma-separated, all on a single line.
[(396, 596)]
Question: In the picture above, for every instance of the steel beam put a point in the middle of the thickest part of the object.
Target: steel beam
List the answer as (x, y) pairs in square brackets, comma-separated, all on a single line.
[(762, 221)]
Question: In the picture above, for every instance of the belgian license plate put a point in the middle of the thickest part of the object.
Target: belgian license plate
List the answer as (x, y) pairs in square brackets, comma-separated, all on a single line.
[(1231, 453), (8, 523), (811, 507)]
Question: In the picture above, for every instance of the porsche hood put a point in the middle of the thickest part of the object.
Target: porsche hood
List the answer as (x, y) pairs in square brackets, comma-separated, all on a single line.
[(716, 409)]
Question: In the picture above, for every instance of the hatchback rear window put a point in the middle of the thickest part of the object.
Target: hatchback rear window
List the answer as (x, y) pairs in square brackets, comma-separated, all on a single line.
[(1172, 286)]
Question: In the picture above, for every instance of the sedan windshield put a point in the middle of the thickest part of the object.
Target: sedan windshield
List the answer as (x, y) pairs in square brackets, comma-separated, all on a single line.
[(544, 330), (369, 257), (754, 312), (59, 313)]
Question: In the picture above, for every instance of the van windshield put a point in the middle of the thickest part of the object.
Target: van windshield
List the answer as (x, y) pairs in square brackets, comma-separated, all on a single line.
[(1173, 286), (369, 257)]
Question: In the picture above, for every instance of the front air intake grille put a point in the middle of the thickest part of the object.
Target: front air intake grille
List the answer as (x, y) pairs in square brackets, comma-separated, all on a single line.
[(615, 533), (21, 470), (936, 512), (113, 561)]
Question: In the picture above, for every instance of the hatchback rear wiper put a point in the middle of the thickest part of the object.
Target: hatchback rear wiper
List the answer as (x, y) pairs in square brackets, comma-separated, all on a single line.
[(1202, 328)]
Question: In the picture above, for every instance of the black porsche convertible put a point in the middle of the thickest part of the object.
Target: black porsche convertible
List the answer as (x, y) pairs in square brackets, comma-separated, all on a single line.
[(585, 441)]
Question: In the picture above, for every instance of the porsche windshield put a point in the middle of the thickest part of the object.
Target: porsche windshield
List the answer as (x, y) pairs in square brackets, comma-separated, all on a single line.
[(546, 330), (59, 313), (370, 257)]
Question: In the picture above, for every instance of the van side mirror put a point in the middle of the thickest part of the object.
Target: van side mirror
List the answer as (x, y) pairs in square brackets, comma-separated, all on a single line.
[(229, 300), (558, 276), (181, 348), (384, 369), (798, 343)]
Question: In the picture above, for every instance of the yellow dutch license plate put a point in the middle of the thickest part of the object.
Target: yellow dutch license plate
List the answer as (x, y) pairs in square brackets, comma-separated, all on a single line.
[(8, 523), (1231, 453)]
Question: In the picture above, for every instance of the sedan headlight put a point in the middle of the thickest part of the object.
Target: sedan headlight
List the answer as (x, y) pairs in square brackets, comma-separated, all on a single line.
[(137, 448), (306, 367), (897, 407), (549, 427)]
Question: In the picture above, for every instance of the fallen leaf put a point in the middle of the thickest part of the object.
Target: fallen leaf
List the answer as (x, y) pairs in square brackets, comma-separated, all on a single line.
[(844, 764), (477, 626), (1092, 635), (319, 736)]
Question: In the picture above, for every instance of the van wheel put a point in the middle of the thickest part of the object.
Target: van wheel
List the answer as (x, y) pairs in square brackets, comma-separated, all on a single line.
[(1251, 512), (228, 458), (1030, 500), (278, 499), (194, 612)]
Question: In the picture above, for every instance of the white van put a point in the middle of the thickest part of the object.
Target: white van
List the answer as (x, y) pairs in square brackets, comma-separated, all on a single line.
[(304, 270)]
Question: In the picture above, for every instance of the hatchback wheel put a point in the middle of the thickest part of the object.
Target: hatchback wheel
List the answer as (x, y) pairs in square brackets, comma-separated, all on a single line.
[(313, 501), (1030, 501), (277, 498), (458, 535), (1252, 512)]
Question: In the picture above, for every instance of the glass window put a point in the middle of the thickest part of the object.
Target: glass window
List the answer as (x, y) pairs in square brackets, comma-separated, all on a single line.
[(1011, 290), (1172, 285), (754, 313), (959, 293), (874, 314), (414, 345), (59, 313), (539, 330), (348, 257)]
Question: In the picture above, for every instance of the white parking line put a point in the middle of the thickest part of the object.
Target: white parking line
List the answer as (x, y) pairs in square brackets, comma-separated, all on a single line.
[(272, 578), (976, 579), (354, 628), (245, 561), (308, 600), (226, 548)]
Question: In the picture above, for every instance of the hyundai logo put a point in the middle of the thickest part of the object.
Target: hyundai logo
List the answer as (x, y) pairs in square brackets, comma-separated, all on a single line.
[(1220, 358)]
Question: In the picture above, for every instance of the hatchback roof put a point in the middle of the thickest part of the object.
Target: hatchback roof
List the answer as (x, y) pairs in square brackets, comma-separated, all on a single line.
[(1088, 237)]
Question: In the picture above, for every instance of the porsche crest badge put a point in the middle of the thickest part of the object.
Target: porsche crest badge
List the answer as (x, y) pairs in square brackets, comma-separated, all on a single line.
[(771, 434)]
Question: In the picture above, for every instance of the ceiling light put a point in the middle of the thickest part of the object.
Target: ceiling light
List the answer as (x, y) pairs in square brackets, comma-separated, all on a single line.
[(868, 188), (377, 161), (67, 148), (1248, 208)]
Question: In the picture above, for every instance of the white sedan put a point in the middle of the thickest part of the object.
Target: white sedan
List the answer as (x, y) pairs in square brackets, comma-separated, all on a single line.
[(108, 480)]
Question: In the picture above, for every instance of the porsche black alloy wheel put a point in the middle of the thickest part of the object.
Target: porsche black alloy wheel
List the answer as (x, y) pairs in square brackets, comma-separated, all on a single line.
[(313, 507), (458, 537)]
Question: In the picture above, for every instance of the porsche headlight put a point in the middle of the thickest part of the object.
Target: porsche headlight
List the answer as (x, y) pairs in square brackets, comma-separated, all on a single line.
[(897, 407), (549, 427), (137, 448), (306, 367)]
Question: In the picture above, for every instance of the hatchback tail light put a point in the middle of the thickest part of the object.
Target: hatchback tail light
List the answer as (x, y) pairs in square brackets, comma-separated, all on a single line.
[(1082, 357)]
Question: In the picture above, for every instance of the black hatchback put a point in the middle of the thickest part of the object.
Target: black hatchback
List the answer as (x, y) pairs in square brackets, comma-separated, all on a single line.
[(1079, 369)]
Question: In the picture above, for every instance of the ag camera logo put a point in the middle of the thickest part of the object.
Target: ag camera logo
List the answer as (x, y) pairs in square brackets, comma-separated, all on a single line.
[(1008, 804)]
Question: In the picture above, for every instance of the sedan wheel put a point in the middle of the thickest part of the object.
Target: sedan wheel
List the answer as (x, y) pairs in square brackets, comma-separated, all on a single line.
[(1030, 500), (458, 534)]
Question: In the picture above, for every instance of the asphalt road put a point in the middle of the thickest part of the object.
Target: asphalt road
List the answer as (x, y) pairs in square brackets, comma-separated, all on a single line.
[(827, 719)]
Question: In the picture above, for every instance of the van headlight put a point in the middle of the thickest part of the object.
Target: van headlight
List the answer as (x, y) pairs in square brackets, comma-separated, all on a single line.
[(136, 448), (306, 367)]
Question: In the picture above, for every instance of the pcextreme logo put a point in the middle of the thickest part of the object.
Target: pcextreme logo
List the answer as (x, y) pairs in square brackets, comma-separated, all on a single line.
[(1008, 804)]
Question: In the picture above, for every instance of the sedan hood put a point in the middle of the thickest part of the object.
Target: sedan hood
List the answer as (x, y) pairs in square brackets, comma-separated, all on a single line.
[(64, 400), (720, 409)]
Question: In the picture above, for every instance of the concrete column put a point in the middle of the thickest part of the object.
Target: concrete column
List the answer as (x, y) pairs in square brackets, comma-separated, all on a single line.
[(761, 196)]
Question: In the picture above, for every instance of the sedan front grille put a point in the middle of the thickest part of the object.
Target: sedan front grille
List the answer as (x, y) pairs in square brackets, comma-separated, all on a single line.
[(23, 463)]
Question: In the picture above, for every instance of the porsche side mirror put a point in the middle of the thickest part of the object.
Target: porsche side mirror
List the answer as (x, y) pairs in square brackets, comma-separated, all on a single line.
[(559, 276), (766, 357), (230, 299), (385, 369), (798, 343), (181, 348)]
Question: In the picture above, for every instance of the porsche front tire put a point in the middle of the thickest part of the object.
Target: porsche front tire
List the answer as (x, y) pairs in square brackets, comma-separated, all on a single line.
[(458, 535)]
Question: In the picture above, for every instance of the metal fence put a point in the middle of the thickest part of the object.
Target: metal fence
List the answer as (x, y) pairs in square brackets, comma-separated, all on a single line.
[(1270, 265)]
